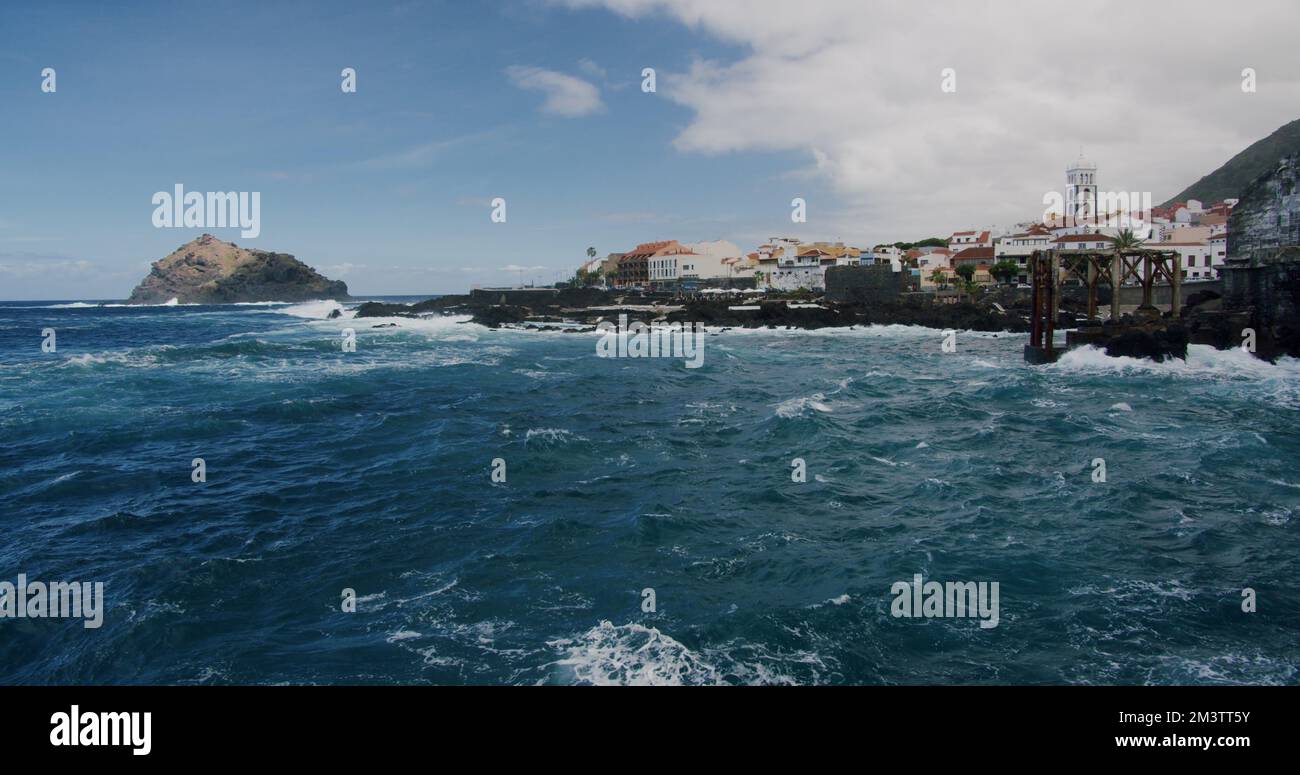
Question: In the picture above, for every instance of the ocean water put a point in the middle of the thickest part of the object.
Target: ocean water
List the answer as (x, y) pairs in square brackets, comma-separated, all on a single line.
[(371, 471)]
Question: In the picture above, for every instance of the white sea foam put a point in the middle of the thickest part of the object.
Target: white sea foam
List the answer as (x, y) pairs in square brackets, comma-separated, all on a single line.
[(551, 435), (793, 407), (632, 654), (1202, 361), (120, 358), (444, 328), (173, 302), (1121, 407), (891, 331), (316, 310)]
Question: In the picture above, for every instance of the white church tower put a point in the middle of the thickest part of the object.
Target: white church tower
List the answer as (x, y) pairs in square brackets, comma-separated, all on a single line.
[(1081, 190)]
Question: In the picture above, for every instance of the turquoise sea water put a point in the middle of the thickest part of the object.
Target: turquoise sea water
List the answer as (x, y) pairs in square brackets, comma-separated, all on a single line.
[(371, 471)]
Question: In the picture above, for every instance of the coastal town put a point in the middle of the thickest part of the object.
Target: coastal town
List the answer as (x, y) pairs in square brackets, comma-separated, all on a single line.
[(1086, 218), (1106, 269)]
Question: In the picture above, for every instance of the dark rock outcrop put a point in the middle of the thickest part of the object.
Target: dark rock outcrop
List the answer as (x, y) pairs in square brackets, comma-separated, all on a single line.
[(209, 271), (588, 307), (1261, 278), (1158, 343)]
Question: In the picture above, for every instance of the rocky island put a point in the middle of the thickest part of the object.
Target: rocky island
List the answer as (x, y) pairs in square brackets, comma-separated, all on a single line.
[(209, 271)]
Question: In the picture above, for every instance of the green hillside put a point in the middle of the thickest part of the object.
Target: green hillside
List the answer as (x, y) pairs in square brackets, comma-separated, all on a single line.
[(1232, 178)]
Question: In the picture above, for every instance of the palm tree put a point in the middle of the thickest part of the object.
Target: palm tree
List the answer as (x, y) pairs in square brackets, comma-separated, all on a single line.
[(591, 252), (1004, 270), (966, 279), (1127, 241)]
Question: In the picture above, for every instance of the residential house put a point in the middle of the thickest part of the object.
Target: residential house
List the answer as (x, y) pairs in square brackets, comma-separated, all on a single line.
[(1218, 249), (1093, 241), (711, 260), (960, 240), (805, 269), (1019, 247), (1197, 258), (979, 257), (634, 267)]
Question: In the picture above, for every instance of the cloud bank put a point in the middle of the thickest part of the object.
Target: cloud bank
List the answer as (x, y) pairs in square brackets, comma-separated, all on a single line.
[(1151, 93)]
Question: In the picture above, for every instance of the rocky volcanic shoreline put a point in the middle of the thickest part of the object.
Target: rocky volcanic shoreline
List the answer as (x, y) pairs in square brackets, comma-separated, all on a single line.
[(1003, 310), (583, 309)]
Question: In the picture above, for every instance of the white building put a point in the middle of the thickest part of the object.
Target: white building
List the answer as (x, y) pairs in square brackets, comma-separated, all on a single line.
[(939, 258), (709, 260), (1081, 190), (695, 261), (960, 240), (1095, 241), (1218, 245), (806, 269), (1019, 247), (1197, 257), (666, 269), (1188, 233)]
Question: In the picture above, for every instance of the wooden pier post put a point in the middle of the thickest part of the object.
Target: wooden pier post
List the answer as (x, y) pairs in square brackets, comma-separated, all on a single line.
[(1035, 310), (1092, 287), (1116, 272), (1176, 283), (1053, 279)]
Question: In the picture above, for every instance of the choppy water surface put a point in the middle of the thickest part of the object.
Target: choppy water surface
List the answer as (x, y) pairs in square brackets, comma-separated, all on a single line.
[(370, 470)]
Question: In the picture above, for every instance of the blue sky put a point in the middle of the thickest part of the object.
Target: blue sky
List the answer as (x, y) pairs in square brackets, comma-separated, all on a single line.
[(388, 188), (395, 179)]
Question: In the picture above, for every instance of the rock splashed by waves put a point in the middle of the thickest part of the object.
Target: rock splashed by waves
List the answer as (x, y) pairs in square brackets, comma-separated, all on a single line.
[(209, 271)]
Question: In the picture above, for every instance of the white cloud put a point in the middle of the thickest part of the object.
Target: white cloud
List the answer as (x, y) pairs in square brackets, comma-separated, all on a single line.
[(30, 265), (1152, 94), (565, 95), (416, 156), (342, 270)]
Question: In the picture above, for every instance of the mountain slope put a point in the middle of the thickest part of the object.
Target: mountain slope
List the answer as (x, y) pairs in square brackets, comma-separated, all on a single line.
[(1230, 180), (209, 271)]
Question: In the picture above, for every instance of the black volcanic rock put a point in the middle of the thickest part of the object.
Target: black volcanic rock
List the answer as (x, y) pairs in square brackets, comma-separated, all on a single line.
[(904, 311), (588, 307), (1158, 344)]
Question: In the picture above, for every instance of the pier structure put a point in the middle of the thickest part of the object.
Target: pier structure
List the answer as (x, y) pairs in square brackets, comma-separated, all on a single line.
[(1049, 269)]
